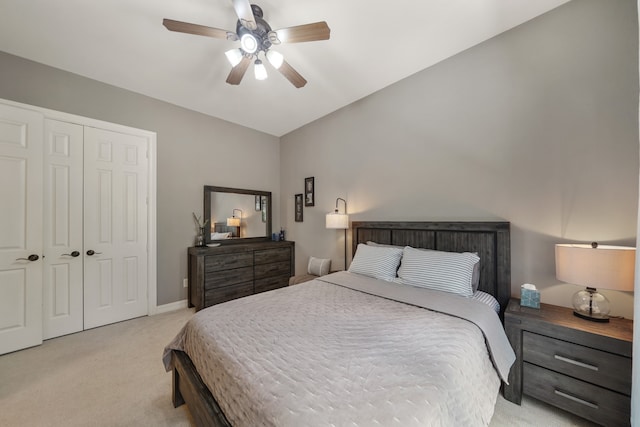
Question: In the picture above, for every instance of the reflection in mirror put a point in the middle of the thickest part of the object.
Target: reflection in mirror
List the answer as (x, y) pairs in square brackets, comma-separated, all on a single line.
[(236, 214)]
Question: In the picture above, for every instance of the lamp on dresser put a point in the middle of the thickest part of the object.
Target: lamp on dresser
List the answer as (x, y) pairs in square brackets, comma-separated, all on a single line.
[(601, 266), (339, 221)]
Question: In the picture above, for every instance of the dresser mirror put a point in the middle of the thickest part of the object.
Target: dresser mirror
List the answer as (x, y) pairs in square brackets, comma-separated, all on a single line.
[(236, 215)]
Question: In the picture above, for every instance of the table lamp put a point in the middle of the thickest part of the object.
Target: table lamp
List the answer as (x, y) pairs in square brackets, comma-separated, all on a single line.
[(601, 266)]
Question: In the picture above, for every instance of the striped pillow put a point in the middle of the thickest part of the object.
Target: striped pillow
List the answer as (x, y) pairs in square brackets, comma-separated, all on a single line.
[(438, 270), (488, 299), (376, 261)]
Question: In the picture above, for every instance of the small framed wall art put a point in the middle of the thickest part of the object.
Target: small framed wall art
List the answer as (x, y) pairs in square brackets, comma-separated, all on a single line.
[(309, 192), (265, 208), (298, 207), (258, 203)]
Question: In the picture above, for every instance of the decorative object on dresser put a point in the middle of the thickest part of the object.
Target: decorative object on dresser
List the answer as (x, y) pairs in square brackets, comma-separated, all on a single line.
[(581, 367), (339, 221), (608, 267), (227, 272), (309, 191), (201, 229), (219, 201)]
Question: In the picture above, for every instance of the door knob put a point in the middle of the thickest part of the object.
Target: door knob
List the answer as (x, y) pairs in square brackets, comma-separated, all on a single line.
[(32, 257), (92, 252), (73, 254)]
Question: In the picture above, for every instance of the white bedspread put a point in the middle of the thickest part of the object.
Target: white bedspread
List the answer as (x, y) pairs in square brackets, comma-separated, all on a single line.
[(318, 354)]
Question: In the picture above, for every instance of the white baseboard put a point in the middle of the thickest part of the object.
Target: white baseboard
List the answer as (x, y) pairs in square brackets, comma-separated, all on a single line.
[(172, 306)]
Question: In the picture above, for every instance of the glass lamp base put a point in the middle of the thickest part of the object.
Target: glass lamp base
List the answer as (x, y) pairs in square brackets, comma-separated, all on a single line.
[(591, 305)]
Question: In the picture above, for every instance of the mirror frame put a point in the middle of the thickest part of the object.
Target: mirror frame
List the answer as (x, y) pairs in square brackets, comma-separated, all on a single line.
[(208, 189)]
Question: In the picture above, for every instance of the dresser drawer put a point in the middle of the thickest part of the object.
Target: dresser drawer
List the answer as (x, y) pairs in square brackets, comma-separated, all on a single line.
[(282, 268), (227, 293), (218, 279), (597, 367), (270, 283), (227, 261), (586, 400), (273, 255)]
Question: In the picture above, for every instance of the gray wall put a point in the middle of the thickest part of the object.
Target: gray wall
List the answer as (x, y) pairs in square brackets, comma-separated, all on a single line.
[(193, 150), (538, 126)]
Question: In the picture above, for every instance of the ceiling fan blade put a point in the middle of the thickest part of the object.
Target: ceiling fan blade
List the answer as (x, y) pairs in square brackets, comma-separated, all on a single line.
[(237, 72), (199, 30), (292, 75), (245, 14), (301, 33)]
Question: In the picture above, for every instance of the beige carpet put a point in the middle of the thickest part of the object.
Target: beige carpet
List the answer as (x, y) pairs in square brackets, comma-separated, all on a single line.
[(113, 376)]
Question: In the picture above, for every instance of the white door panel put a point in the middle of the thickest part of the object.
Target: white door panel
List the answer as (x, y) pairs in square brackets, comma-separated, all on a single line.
[(115, 218), (63, 159), (20, 228)]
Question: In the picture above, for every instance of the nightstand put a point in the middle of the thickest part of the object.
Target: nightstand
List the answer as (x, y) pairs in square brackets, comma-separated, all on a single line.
[(580, 366)]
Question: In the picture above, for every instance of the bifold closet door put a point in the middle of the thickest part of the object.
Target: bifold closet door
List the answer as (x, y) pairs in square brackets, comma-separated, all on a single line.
[(115, 226), (20, 228), (63, 178)]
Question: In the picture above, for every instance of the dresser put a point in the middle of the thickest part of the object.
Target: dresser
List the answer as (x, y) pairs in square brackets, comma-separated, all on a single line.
[(237, 270), (580, 366)]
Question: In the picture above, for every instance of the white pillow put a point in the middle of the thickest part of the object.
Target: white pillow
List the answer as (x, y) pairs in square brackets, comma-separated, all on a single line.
[(376, 261), (319, 266), (220, 236), (438, 270)]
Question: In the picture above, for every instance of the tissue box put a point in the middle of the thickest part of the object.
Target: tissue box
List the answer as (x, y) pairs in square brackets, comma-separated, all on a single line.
[(529, 297)]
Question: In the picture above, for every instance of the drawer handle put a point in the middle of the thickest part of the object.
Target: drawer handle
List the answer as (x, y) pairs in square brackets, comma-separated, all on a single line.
[(575, 362), (575, 399)]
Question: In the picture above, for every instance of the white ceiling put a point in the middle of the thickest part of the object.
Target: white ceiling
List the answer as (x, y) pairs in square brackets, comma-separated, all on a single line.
[(373, 44)]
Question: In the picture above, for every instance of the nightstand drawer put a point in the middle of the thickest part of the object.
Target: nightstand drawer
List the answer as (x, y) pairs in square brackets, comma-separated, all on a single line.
[(597, 367), (586, 400)]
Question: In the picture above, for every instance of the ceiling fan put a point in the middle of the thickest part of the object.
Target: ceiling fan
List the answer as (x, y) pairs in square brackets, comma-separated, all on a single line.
[(256, 36)]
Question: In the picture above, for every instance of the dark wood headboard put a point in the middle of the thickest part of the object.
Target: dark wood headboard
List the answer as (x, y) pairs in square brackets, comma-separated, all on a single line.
[(222, 227), (491, 240)]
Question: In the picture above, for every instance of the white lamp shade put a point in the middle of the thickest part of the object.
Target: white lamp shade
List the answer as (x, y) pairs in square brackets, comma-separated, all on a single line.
[(337, 220), (605, 267), (233, 222)]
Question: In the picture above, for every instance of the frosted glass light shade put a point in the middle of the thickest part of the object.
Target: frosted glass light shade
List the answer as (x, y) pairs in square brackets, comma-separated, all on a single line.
[(275, 58), (260, 70), (234, 56), (337, 220), (233, 222)]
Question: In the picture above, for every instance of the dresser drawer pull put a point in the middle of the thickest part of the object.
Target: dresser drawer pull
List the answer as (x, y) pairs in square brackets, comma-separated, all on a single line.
[(575, 399), (575, 362)]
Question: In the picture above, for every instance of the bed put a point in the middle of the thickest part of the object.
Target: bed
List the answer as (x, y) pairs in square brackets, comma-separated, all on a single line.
[(366, 351)]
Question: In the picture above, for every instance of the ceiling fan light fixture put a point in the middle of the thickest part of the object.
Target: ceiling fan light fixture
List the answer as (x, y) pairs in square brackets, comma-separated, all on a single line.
[(275, 58), (234, 56), (260, 70), (249, 43)]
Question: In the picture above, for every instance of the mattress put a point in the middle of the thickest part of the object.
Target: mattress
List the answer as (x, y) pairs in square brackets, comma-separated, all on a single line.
[(325, 354)]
